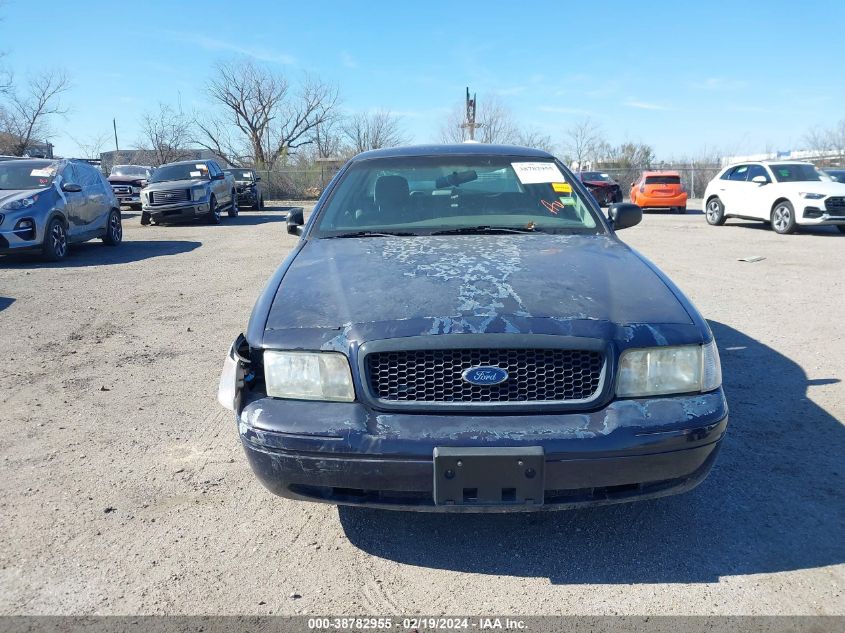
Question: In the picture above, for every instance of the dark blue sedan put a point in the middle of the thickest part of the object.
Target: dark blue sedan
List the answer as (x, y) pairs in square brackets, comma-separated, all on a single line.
[(459, 328)]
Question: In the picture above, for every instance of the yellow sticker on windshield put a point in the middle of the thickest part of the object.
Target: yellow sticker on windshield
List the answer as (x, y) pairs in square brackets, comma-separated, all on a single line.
[(562, 187)]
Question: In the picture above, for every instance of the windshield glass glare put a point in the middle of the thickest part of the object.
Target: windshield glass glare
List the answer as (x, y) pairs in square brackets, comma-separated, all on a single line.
[(796, 173), (130, 171), (186, 171), (241, 174), (423, 195), (27, 174)]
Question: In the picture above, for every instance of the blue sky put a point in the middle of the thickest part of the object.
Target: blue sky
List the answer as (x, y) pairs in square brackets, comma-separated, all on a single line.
[(737, 76)]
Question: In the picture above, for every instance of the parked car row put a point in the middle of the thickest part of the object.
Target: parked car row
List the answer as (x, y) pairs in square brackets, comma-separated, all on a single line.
[(786, 194), (46, 205), (188, 190)]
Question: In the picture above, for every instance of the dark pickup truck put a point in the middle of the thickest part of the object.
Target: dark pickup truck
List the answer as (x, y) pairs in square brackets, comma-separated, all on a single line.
[(248, 185), (127, 181), (459, 328)]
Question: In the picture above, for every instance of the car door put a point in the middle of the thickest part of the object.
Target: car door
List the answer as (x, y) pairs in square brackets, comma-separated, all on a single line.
[(756, 202), (97, 206), (730, 189), (218, 183), (74, 200)]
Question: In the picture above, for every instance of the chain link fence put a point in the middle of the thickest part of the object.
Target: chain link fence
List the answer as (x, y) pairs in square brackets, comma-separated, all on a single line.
[(693, 177)]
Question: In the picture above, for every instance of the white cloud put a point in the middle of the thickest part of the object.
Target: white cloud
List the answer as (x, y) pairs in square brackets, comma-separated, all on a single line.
[(564, 110), (347, 60), (644, 105), (212, 44)]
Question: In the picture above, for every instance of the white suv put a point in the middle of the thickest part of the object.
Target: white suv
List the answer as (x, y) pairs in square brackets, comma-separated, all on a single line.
[(787, 194)]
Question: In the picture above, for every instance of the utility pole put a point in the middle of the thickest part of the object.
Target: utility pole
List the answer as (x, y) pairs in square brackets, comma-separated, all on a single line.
[(470, 124), (114, 124)]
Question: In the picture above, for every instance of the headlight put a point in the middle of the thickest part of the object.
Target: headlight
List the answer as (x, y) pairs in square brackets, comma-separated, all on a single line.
[(198, 193), (664, 370), (811, 196), (23, 203), (308, 376)]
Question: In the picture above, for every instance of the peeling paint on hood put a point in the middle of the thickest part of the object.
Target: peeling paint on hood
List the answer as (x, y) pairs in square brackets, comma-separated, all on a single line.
[(333, 283)]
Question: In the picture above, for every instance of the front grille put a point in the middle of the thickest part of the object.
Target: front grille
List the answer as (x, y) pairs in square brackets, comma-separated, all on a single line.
[(121, 190), (170, 197), (835, 205), (534, 375)]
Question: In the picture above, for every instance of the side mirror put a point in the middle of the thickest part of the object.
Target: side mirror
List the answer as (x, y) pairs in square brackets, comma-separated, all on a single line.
[(296, 218), (760, 180), (218, 177), (624, 215), (70, 187)]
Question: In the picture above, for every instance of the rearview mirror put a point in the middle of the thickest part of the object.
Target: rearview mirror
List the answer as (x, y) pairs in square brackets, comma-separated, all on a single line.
[(296, 218), (70, 187), (760, 180), (624, 215)]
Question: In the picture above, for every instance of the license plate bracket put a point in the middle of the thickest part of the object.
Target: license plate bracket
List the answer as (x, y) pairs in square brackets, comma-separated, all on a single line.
[(498, 476)]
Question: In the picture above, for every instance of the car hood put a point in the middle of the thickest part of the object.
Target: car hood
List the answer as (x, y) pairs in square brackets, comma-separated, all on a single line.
[(174, 184), (332, 283), (9, 195)]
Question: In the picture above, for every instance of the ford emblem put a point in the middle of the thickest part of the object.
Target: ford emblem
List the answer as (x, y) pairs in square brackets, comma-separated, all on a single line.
[(485, 375)]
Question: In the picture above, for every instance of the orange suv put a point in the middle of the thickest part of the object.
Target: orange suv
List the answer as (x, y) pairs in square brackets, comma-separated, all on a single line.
[(659, 190)]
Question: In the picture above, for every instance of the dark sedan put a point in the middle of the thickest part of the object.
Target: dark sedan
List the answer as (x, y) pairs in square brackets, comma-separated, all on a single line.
[(459, 328), (605, 190)]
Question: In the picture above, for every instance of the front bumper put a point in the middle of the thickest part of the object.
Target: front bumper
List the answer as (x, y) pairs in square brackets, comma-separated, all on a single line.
[(170, 212), (247, 197), (348, 455), (813, 215), (130, 199), (12, 241)]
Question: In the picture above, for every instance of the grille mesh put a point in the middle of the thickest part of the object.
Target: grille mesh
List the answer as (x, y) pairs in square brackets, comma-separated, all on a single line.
[(835, 205), (169, 197), (534, 375)]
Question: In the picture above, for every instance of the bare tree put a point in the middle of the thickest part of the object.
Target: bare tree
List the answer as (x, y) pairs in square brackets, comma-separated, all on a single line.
[(496, 120), (166, 134), (92, 146), (583, 141), (365, 131), (535, 139), (28, 113), (828, 143), (261, 117)]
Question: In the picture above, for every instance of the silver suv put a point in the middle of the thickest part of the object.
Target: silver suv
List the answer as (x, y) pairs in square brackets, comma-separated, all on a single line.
[(188, 190), (48, 204)]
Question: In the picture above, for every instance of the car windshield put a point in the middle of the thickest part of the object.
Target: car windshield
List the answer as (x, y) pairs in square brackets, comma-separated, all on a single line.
[(796, 173), (181, 171), (130, 171), (424, 195), (27, 174), (241, 174), (595, 176)]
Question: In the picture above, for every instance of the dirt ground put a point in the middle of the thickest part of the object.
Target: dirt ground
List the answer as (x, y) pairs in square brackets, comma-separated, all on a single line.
[(124, 489)]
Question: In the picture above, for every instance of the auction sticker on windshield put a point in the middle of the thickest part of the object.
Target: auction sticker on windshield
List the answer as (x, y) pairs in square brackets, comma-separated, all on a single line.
[(533, 173), (562, 187)]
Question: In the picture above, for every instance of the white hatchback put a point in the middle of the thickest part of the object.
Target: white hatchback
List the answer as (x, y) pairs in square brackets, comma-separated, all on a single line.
[(787, 194)]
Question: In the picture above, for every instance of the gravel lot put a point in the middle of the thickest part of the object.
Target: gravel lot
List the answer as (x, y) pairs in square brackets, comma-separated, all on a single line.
[(124, 489)]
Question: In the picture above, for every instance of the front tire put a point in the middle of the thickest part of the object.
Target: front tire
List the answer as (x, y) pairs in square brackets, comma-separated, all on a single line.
[(715, 212), (841, 228), (145, 218), (260, 205), (213, 211), (681, 210), (114, 229), (233, 208), (783, 218), (54, 248)]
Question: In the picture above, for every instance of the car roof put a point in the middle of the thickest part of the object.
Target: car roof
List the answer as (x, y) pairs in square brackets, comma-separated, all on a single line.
[(40, 161), (453, 149), (189, 162)]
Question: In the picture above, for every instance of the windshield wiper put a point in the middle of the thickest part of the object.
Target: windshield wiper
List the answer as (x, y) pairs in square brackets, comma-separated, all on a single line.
[(487, 230), (371, 234)]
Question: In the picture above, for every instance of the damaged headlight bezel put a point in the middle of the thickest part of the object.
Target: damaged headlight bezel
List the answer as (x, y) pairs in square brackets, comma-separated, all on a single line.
[(317, 376), (668, 370)]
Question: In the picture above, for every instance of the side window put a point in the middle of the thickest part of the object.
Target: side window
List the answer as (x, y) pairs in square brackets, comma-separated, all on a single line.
[(757, 170), (69, 175), (740, 173), (727, 174), (213, 169)]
